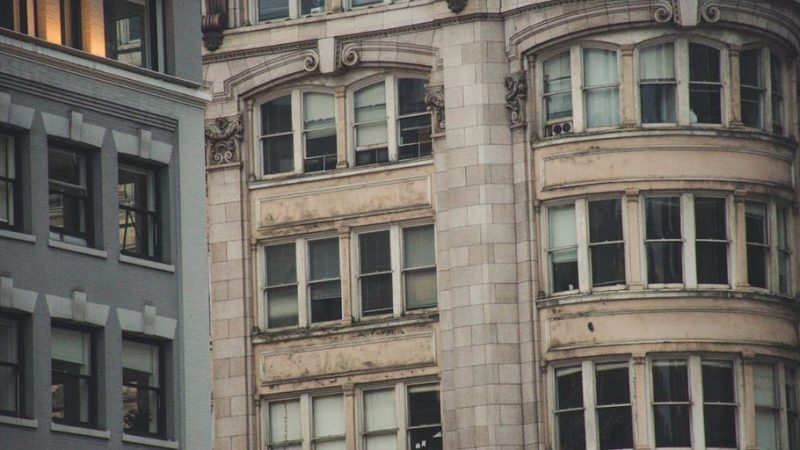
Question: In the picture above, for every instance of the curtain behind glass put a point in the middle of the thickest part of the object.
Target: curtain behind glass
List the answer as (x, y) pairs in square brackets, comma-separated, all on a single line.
[(328, 416)]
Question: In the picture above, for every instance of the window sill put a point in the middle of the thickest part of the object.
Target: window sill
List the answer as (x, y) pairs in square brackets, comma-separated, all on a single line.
[(80, 431), (16, 235), (19, 422), (151, 442), (146, 263), (78, 249)]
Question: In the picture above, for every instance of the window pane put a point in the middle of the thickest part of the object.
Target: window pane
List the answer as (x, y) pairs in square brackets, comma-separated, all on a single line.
[(764, 389), (766, 430), (372, 156), (278, 154), (720, 426), (326, 301), (418, 247), (658, 103), (69, 395), (323, 258), (558, 106), (756, 222), (411, 96), (374, 252), (272, 9), (616, 428), (320, 131), (712, 262), (370, 103), (128, 31), (664, 261), (318, 111), (381, 442), (709, 217), (718, 382), (757, 266), (750, 68), (312, 6), (376, 294), (569, 388), (612, 384), (142, 358), (608, 264), (571, 434), (657, 63), (704, 63), (282, 307), (371, 134), (672, 425), (284, 421), (139, 406), (705, 103), (423, 407), (602, 107), (8, 340), (7, 170), (751, 107), (605, 220), (280, 261), (557, 73), (776, 81), (330, 445), (428, 438), (328, 416), (379, 411), (276, 116), (415, 136), (9, 390), (562, 226), (670, 381), (663, 217), (599, 67), (420, 288), (565, 269), (71, 347), (66, 167)]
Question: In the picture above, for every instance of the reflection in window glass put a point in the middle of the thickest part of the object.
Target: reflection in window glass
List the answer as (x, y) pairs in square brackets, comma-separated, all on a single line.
[(72, 383), (272, 9), (138, 218), (657, 83), (663, 240), (132, 28), (414, 120), (277, 144), (375, 273), (705, 87), (69, 195), (281, 285), (8, 182), (142, 397), (10, 367)]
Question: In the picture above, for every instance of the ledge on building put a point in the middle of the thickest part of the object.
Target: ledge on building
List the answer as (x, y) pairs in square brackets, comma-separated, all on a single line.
[(146, 263), (78, 249), (9, 234), (19, 422), (80, 431), (151, 442)]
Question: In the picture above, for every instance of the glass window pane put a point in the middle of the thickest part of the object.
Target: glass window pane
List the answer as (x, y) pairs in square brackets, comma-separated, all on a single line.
[(323, 258), (757, 265), (376, 294), (370, 103), (272, 9), (379, 411), (381, 442), (428, 438), (709, 218), (720, 426), (318, 111), (557, 73), (278, 154), (415, 129), (8, 340), (571, 432), (142, 358), (420, 288), (72, 347), (128, 31), (312, 7), (281, 262), (672, 425), (330, 445), (663, 217), (756, 222), (66, 167), (718, 384), (562, 226), (423, 407), (371, 134), (704, 63), (764, 389), (605, 220), (766, 430), (284, 421), (599, 67), (664, 262), (657, 63), (750, 68), (608, 264), (602, 107), (276, 116), (9, 390), (658, 103), (712, 262), (328, 416), (419, 249), (615, 426), (569, 388), (282, 307), (705, 103), (670, 381), (374, 252), (611, 381), (411, 95), (326, 301), (558, 106)]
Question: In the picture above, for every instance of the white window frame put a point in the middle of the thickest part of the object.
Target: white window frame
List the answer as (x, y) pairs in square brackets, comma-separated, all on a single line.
[(677, 82), (684, 81), (306, 417), (303, 271), (771, 268), (396, 257), (584, 89), (688, 240), (696, 403), (400, 390), (585, 282), (763, 90), (350, 7), (393, 117)]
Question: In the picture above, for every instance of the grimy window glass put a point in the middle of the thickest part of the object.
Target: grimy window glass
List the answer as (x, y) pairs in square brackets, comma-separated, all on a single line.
[(657, 83), (705, 85), (784, 250), (424, 418), (558, 87), (284, 425), (319, 131), (606, 243), (281, 285), (11, 376), (569, 409), (719, 404), (792, 411), (371, 124), (380, 420), (751, 79), (138, 217), (563, 248), (132, 28), (757, 243), (328, 422), (419, 267), (142, 392), (324, 285), (277, 144), (711, 235), (601, 87), (8, 183), (69, 207), (671, 403), (776, 80), (663, 240), (272, 9), (614, 420), (72, 379), (375, 273), (413, 119), (767, 406)]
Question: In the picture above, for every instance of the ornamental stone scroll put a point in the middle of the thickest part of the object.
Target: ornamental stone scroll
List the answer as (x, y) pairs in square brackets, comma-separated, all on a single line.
[(223, 137), (434, 101)]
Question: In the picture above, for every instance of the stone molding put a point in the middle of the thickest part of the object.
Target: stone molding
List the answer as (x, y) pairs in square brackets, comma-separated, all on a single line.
[(17, 115), (223, 138), (687, 13), (516, 93), (142, 146), (73, 128), (213, 23), (146, 322), (374, 51), (77, 309), (15, 298), (434, 101)]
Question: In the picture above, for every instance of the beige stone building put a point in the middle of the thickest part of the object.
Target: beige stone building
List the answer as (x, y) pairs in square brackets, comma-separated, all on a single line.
[(482, 224)]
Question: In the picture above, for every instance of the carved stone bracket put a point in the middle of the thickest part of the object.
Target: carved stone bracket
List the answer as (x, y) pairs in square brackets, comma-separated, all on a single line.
[(687, 13), (516, 91), (213, 23), (350, 56), (311, 62), (222, 140), (434, 100), (457, 5), (709, 11)]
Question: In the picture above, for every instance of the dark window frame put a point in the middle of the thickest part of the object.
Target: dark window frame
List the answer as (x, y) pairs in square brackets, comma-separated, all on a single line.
[(679, 241), (89, 213), (421, 150), (92, 378), (706, 85), (161, 390), (310, 282), (363, 276), (19, 366), (153, 54), (16, 183), (156, 216)]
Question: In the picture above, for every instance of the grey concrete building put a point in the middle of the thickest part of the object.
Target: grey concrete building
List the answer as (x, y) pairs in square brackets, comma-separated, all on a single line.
[(103, 274), (610, 188)]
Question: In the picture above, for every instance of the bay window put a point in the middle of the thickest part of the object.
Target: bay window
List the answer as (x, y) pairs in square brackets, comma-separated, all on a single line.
[(277, 140), (73, 376), (657, 84), (705, 84), (711, 240), (600, 87), (606, 242), (9, 184), (319, 125), (752, 87), (324, 285), (280, 293), (767, 404), (663, 240), (11, 367), (137, 192), (557, 97), (142, 388), (769, 246), (134, 32), (776, 88), (69, 199)]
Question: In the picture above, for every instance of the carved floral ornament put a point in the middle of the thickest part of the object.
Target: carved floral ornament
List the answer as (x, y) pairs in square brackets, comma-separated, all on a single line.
[(516, 91), (222, 140), (687, 13), (434, 100)]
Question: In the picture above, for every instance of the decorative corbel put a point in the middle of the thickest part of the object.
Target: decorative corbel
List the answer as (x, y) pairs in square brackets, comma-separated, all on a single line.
[(457, 5), (516, 91), (434, 100), (665, 11), (213, 23), (222, 140), (709, 11), (350, 56)]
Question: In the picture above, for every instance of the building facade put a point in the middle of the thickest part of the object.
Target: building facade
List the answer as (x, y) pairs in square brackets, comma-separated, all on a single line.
[(103, 273), (525, 224)]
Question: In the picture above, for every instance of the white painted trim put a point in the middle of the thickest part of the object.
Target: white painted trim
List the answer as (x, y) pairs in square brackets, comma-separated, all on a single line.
[(8, 234), (19, 422), (146, 263), (80, 431), (78, 249), (151, 442)]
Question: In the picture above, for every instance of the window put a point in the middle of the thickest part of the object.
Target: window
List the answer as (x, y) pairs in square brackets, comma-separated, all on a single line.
[(71, 23), (357, 3), (380, 422), (752, 87), (600, 87), (319, 417), (683, 389), (711, 240), (705, 85), (281, 286), (784, 250), (17, 20), (319, 125), (413, 119), (558, 94), (767, 406), (328, 422), (277, 145), (370, 124), (70, 209), (419, 267), (424, 418), (421, 408), (72, 383), (284, 425), (576, 263), (792, 412), (757, 244), (137, 191), (663, 240), (9, 186), (11, 368), (272, 9), (375, 273), (325, 287), (134, 33), (776, 86), (142, 389), (657, 83), (606, 402)]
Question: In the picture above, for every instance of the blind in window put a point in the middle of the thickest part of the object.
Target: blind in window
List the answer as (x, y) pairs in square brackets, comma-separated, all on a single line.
[(284, 421), (141, 357), (562, 226), (370, 103), (418, 247), (657, 63), (318, 110), (328, 416), (324, 259), (379, 411), (70, 346), (599, 67)]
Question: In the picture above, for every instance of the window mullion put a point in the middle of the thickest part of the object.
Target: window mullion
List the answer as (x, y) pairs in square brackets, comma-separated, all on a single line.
[(397, 282), (401, 414), (582, 238), (576, 78), (682, 78), (696, 402), (391, 117), (589, 405), (305, 421), (302, 283), (297, 131), (689, 233)]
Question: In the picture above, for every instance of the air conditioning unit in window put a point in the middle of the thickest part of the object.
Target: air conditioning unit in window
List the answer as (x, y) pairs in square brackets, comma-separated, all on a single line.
[(556, 129)]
